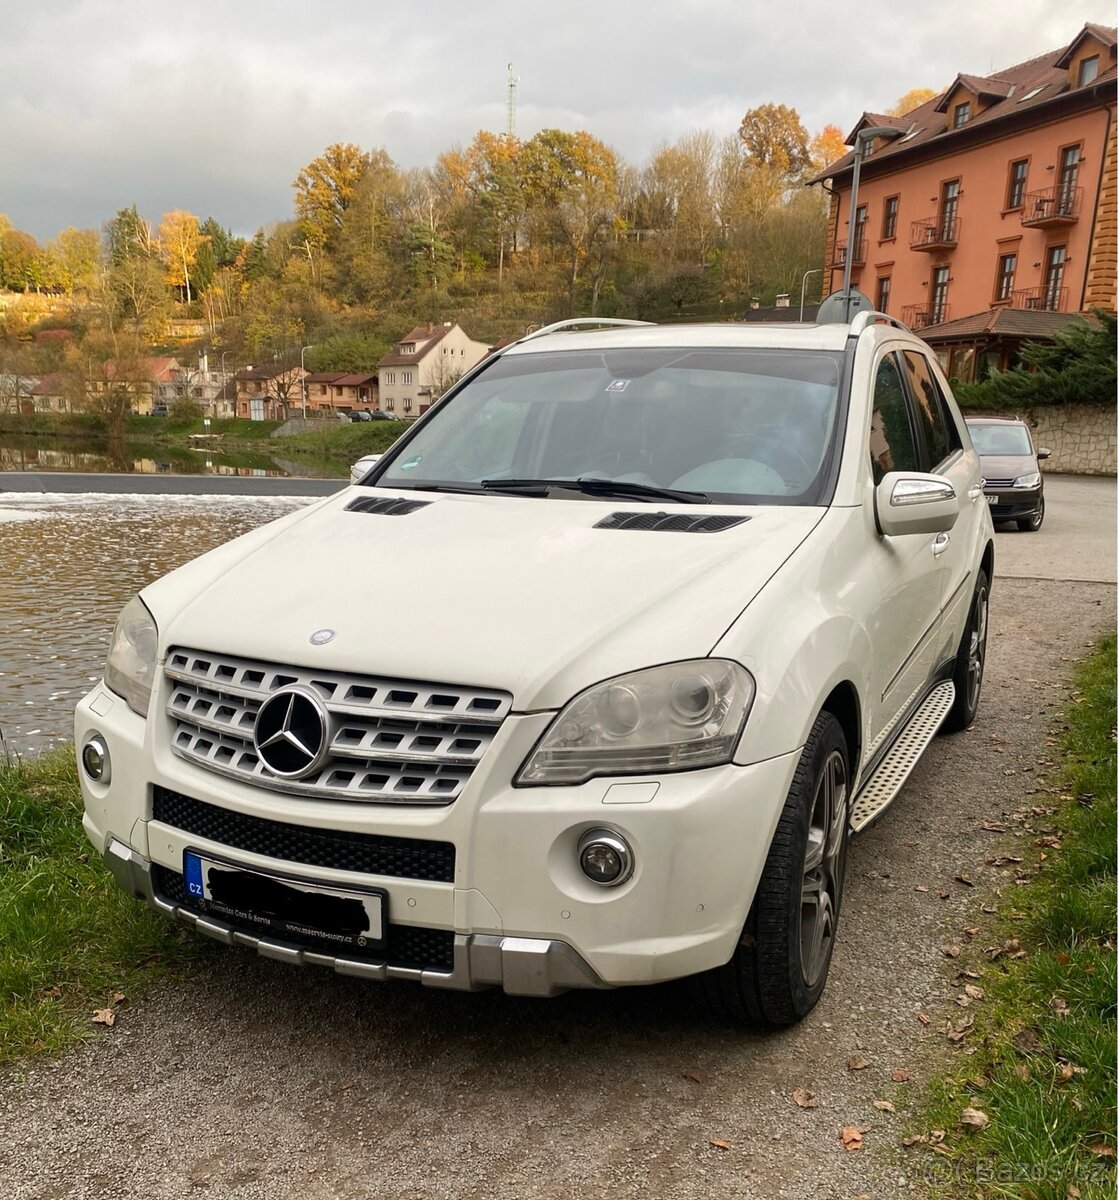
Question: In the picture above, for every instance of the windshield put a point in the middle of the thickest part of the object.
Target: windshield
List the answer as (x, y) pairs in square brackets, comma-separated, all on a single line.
[(1006, 440), (734, 426)]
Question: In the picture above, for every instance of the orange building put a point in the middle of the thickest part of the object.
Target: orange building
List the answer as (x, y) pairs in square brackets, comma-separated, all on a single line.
[(990, 215)]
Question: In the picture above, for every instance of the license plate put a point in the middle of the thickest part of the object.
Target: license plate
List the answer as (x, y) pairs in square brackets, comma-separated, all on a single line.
[(342, 916), (992, 501)]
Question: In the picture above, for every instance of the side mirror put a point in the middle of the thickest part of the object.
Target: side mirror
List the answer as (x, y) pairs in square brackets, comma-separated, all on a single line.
[(362, 466), (1044, 452), (907, 502)]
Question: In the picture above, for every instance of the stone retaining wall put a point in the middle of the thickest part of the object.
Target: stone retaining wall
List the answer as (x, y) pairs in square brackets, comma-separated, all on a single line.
[(1083, 439), (298, 425)]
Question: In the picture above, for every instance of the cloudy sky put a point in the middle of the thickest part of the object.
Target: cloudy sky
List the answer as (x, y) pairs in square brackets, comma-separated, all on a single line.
[(215, 105)]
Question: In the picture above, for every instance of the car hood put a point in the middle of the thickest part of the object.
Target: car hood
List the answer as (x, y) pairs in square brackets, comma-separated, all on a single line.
[(1007, 466), (520, 594)]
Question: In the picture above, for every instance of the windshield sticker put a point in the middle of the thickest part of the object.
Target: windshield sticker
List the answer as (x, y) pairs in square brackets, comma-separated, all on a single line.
[(618, 385), (411, 463)]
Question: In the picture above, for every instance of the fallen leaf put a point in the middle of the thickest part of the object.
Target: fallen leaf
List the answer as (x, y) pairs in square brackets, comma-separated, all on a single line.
[(923, 1018), (1059, 1006), (857, 1063), (920, 888), (975, 993), (694, 1076), (805, 1098), (1026, 1042), (117, 997), (901, 1075), (914, 1140), (958, 1032), (993, 826), (883, 1106), (1022, 1072), (973, 1118), (718, 1144), (968, 882), (945, 895), (937, 1136), (851, 1137), (950, 951), (104, 1016), (1065, 1073), (1101, 1149), (1073, 1193), (989, 908)]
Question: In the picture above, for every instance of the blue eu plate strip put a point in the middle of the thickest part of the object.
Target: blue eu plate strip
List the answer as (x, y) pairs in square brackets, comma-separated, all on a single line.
[(192, 873)]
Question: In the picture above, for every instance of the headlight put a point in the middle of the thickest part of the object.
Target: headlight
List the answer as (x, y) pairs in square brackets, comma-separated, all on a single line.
[(671, 718), (130, 670), (1031, 480)]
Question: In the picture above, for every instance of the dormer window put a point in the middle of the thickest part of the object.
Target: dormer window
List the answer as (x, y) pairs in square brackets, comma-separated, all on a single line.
[(961, 115), (407, 348), (1088, 70)]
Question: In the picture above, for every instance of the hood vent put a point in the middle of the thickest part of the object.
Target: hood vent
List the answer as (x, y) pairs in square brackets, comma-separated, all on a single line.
[(661, 522), (387, 506)]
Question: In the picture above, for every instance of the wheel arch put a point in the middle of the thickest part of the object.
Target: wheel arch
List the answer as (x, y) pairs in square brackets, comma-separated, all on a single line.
[(843, 704)]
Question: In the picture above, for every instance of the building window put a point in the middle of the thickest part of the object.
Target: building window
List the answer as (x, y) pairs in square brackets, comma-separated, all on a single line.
[(390, 404), (940, 278), (858, 253), (949, 210), (1054, 278), (407, 404), (961, 115), (408, 348), (1007, 269), (405, 377), (884, 286), (1069, 176), (1088, 70), (1018, 175), (889, 217)]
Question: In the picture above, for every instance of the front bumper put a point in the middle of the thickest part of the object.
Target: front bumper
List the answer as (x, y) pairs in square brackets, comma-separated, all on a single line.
[(521, 966), (511, 909), (1007, 504)]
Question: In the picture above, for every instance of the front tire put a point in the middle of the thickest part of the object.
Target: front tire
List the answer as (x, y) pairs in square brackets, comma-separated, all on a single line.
[(1033, 523), (970, 661), (780, 965)]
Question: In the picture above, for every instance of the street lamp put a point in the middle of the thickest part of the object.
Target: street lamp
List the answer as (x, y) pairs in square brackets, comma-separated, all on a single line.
[(803, 284), (225, 382), (863, 136), (303, 378)]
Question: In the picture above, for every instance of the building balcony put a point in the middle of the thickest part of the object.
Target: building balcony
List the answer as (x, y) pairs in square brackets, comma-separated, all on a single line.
[(1040, 299), (858, 258), (931, 234), (918, 316), (1052, 207)]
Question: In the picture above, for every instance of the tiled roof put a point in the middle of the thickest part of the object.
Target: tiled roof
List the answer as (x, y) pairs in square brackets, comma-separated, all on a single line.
[(355, 380), (1028, 85), (324, 376), (1000, 322), (49, 385), (155, 370), (425, 343), (275, 371)]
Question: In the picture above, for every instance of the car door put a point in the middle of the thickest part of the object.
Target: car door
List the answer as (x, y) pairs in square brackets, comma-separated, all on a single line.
[(945, 452), (903, 628)]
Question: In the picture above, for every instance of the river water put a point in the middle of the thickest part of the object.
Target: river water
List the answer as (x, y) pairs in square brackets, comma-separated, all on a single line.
[(67, 566)]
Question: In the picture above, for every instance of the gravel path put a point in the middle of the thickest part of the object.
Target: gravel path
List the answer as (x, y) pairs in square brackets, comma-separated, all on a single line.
[(258, 1080)]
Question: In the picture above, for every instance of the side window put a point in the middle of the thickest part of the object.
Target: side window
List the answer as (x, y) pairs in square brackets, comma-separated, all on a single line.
[(940, 435), (892, 446)]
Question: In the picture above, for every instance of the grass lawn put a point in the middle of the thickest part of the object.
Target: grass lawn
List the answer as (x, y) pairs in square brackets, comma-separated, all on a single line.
[(71, 943), (1042, 1079)]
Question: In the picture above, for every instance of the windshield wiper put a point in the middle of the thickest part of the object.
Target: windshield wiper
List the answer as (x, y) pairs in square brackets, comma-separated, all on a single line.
[(599, 487)]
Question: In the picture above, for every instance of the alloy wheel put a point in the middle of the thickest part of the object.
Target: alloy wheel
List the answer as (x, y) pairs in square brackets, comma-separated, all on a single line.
[(976, 650), (824, 862)]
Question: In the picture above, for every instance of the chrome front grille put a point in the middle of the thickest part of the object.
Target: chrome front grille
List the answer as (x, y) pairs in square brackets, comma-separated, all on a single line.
[(998, 483), (390, 741)]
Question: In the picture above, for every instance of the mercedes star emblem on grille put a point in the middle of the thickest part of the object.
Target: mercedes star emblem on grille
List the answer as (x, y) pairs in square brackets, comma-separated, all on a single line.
[(321, 636), (292, 732)]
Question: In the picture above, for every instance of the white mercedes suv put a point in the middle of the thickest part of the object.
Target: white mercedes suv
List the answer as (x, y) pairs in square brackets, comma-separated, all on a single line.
[(585, 683)]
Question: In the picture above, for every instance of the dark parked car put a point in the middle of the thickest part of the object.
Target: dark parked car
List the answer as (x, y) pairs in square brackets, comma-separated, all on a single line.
[(360, 415), (1011, 473)]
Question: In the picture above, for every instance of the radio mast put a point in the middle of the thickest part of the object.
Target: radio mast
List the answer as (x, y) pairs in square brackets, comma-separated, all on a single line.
[(510, 102)]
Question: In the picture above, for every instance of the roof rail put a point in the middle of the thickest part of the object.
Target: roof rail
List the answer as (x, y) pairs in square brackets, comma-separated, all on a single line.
[(862, 319), (580, 322)]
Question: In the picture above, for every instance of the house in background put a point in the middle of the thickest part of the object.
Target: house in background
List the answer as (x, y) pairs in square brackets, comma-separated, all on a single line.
[(990, 217), (269, 393), (146, 380), (423, 364), (332, 392)]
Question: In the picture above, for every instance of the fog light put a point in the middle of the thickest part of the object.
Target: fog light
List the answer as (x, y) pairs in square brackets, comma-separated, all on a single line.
[(605, 857), (95, 760)]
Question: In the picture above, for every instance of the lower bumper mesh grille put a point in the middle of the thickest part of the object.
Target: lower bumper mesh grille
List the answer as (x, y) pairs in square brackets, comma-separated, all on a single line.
[(406, 945), (371, 854)]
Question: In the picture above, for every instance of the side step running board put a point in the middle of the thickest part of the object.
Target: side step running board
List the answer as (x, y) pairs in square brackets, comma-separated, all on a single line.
[(880, 790)]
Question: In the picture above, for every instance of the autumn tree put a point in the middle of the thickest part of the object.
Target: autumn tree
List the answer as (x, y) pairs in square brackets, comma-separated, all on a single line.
[(826, 147), (179, 240), (570, 181), (912, 99), (369, 232), (76, 257), (128, 235), (324, 190), (21, 259), (773, 137)]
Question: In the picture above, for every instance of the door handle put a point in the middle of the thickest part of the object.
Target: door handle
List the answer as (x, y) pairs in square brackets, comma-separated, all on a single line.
[(941, 543)]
